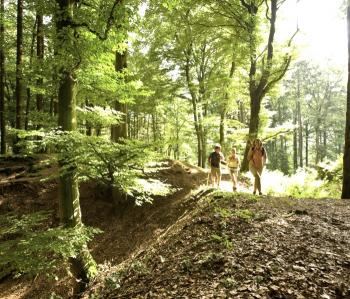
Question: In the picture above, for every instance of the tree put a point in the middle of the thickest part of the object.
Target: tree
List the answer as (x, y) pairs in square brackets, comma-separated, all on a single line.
[(346, 159), (40, 57), (264, 76), (2, 78), (83, 266), (19, 67)]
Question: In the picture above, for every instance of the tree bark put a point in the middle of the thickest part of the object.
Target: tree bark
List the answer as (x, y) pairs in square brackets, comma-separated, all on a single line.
[(317, 142), (258, 87), (224, 106), (19, 71), (40, 57), (295, 140), (83, 266), (300, 134), (19, 58), (2, 79), (307, 144), (29, 94), (346, 158), (324, 148), (120, 131)]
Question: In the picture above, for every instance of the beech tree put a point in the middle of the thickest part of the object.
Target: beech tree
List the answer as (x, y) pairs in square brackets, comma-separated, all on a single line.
[(2, 79), (19, 67), (346, 159), (264, 71)]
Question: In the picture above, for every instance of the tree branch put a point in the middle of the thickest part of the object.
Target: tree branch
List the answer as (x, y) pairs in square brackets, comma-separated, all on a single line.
[(110, 22)]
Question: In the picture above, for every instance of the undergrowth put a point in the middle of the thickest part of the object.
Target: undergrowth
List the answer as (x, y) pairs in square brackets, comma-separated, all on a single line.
[(324, 181)]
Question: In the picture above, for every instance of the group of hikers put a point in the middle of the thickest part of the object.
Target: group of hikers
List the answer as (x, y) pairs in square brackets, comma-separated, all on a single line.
[(257, 157)]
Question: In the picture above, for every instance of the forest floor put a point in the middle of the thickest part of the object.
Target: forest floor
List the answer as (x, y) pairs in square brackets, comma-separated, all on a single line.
[(197, 242)]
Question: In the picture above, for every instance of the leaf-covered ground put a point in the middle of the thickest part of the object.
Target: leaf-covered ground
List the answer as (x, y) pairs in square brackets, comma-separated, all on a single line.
[(201, 244), (125, 233), (239, 246)]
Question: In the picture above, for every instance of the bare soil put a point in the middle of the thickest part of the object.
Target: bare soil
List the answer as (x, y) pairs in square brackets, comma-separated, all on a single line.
[(240, 246)]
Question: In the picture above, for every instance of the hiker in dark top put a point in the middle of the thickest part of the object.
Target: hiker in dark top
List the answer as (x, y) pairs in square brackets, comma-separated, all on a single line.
[(215, 159)]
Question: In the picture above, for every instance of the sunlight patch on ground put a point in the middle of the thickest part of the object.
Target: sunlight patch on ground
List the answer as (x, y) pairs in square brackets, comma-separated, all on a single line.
[(154, 187)]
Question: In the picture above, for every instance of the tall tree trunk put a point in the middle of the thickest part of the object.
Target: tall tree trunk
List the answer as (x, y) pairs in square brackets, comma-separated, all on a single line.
[(324, 149), (295, 141), (253, 127), (83, 266), (2, 79), (346, 159), (19, 71), (222, 126), (307, 144), (29, 94), (260, 84), (40, 57), (225, 104), (26, 118), (120, 131), (317, 142), (241, 116), (300, 134), (195, 108)]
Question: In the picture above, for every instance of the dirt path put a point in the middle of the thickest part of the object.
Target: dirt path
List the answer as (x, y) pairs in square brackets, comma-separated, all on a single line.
[(236, 246)]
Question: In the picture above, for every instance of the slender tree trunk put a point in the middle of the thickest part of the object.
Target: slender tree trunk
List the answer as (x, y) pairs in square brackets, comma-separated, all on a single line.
[(120, 131), (19, 71), (40, 57), (26, 118), (295, 141), (241, 116), (324, 150), (2, 79), (346, 159), (29, 94), (317, 142), (195, 110), (222, 126), (83, 266), (253, 127), (225, 104), (306, 144), (300, 134)]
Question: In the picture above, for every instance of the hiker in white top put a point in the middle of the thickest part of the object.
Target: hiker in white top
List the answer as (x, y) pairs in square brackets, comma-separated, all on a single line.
[(234, 164)]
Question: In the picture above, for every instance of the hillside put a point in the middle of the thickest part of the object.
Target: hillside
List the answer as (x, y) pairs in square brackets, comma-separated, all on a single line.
[(239, 246), (125, 233), (194, 243)]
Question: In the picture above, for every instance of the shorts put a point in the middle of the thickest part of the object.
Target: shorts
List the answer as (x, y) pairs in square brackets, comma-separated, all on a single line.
[(234, 171), (215, 171)]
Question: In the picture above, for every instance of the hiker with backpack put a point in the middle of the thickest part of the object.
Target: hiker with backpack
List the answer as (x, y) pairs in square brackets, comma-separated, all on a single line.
[(234, 165), (215, 159), (257, 157)]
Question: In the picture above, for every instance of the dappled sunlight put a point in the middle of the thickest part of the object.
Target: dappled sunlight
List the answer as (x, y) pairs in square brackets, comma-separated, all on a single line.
[(154, 187), (303, 183)]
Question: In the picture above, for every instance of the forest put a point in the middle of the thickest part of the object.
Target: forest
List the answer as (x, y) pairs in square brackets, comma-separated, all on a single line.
[(112, 116)]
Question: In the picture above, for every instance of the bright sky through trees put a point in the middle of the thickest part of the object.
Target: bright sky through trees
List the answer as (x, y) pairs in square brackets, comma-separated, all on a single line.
[(322, 35)]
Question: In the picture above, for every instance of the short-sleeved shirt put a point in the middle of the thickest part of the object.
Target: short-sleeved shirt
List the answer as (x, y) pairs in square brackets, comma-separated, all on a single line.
[(233, 162), (215, 159)]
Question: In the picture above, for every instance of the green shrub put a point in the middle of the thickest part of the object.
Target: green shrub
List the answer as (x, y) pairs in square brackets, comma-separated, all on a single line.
[(27, 248)]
